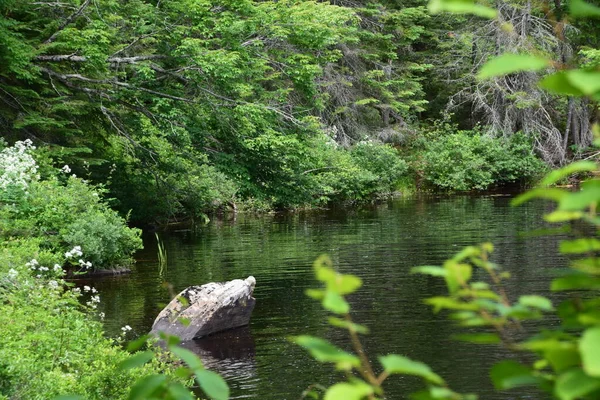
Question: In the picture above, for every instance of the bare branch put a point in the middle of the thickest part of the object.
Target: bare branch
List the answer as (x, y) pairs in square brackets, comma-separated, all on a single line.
[(70, 19)]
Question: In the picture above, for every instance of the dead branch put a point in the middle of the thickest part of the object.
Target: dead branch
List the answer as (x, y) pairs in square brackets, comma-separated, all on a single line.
[(70, 19)]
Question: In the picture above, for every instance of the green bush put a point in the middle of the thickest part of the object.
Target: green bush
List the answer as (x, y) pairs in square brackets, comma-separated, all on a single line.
[(52, 343), (468, 160), (65, 211), (295, 171)]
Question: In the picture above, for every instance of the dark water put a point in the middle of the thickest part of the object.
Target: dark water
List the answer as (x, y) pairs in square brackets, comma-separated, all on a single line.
[(380, 245)]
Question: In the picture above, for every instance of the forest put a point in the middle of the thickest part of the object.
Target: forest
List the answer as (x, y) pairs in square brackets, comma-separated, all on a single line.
[(123, 115), (182, 108)]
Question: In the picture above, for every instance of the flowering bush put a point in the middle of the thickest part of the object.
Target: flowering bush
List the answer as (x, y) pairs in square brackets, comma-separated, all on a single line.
[(64, 210), (52, 342), (17, 166)]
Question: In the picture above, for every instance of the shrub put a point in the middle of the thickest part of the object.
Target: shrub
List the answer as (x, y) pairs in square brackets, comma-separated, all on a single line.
[(65, 211), (467, 160), (52, 343)]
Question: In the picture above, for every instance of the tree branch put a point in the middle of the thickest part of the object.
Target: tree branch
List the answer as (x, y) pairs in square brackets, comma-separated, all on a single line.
[(70, 19)]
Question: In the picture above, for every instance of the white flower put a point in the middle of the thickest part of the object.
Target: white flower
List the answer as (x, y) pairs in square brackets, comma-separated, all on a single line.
[(57, 268), (76, 290), (66, 169), (75, 252), (86, 288), (53, 285), (126, 328), (94, 290), (95, 299), (12, 273), (102, 315), (32, 263), (17, 166), (43, 269)]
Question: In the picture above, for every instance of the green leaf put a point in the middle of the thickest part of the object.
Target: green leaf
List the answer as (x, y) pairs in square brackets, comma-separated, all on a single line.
[(562, 359), (457, 275), (563, 216), (179, 392), (137, 360), (461, 7), (589, 194), (540, 193), (480, 338), (577, 281), (356, 390), (69, 397), (146, 387), (317, 294), (535, 301), (324, 274), (510, 374), (559, 83), (341, 323), (212, 384), (335, 303), (509, 63), (346, 284), (574, 384), (323, 351), (395, 364), (137, 344), (192, 360), (579, 8), (578, 246), (573, 168), (589, 347), (440, 302), (467, 252), (588, 82), (429, 270), (171, 340)]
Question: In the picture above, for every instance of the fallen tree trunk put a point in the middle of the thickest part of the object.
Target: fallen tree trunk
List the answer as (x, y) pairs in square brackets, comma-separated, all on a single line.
[(202, 310)]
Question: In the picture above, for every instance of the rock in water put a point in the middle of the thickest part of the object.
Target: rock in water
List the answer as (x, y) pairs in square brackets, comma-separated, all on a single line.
[(209, 308)]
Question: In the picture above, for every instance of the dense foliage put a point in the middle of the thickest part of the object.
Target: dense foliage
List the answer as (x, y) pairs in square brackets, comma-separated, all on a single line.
[(52, 337), (468, 160), (187, 106), (61, 211), (192, 106)]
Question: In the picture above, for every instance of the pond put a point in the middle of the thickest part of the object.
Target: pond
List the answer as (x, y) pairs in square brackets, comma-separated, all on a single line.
[(380, 244)]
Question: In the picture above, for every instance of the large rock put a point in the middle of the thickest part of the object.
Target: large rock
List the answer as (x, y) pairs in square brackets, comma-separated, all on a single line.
[(209, 308)]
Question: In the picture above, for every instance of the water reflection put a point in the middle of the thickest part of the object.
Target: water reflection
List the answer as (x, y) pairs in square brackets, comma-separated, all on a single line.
[(379, 244), (230, 353)]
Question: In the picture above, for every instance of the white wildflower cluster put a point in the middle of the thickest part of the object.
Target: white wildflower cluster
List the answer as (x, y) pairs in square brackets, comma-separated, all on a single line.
[(17, 166), (12, 273), (125, 329), (66, 169), (93, 303), (86, 289), (85, 264), (54, 272), (75, 252)]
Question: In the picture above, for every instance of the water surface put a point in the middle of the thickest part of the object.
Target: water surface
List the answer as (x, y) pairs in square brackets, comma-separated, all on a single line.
[(380, 244)]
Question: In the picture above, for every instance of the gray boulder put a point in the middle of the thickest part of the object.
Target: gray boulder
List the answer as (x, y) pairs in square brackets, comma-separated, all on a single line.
[(202, 310)]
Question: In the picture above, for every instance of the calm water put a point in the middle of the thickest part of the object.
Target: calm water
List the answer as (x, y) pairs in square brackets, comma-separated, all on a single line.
[(380, 245)]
